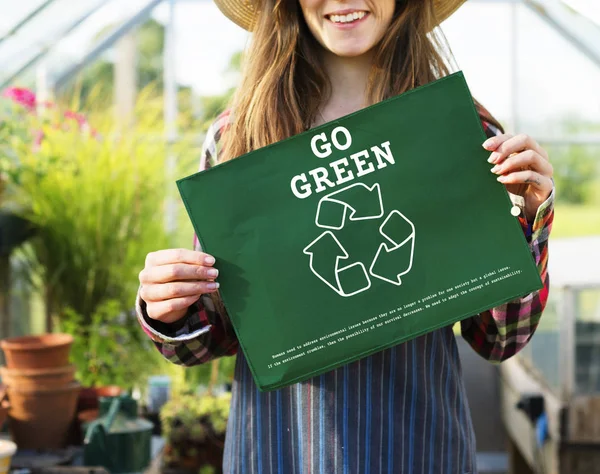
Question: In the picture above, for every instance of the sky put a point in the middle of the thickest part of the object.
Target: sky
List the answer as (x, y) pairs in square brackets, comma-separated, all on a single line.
[(553, 78)]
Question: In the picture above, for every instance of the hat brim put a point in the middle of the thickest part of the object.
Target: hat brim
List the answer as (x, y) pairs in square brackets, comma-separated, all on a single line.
[(243, 12)]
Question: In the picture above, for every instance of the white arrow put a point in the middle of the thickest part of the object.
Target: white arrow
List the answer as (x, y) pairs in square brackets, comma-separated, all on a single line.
[(322, 250), (395, 246), (336, 198)]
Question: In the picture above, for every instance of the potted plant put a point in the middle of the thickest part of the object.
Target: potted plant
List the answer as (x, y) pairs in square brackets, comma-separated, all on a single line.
[(96, 198), (194, 429), (111, 335), (194, 421)]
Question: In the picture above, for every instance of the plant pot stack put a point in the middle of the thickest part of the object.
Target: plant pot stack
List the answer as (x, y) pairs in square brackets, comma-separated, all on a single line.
[(41, 388)]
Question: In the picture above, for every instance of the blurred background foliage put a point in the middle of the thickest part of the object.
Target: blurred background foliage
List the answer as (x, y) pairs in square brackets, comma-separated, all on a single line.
[(96, 191)]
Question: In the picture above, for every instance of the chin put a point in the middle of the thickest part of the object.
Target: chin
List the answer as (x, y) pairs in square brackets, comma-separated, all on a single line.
[(350, 51)]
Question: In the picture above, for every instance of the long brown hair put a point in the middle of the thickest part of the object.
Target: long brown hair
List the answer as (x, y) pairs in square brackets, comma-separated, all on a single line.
[(284, 84)]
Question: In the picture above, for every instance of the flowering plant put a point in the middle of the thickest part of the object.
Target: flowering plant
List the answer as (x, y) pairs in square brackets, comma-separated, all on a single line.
[(95, 198), (14, 115), (23, 120), (23, 97), (97, 201)]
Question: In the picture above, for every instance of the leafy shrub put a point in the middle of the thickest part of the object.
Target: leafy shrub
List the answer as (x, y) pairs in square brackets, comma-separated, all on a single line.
[(97, 199)]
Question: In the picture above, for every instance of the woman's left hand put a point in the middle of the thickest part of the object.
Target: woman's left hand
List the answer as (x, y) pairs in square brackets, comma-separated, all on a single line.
[(522, 165)]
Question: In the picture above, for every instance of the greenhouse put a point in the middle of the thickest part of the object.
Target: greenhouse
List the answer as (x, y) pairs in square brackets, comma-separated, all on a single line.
[(105, 104)]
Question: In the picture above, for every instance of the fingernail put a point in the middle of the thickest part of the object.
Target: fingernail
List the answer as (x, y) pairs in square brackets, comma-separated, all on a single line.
[(501, 179), (209, 260), (493, 157), (213, 272), (212, 286), (489, 143), (495, 169)]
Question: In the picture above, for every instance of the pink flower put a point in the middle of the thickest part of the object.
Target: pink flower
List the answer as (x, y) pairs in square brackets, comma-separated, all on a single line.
[(38, 137), (79, 118), (21, 96)]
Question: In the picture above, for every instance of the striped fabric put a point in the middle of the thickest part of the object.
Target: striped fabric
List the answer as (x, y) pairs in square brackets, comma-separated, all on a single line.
[(403, 410)]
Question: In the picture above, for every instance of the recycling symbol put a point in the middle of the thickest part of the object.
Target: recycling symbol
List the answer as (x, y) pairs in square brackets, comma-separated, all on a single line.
[(332, 264)]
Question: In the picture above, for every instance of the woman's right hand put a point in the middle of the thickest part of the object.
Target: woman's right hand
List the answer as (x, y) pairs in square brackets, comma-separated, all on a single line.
[(173, 280)]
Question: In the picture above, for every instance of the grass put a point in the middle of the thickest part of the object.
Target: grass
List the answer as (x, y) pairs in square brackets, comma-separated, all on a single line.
[(576, 220)]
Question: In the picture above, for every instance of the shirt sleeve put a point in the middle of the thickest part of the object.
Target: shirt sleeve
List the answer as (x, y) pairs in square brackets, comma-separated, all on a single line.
[(501, 332), (205, 333)]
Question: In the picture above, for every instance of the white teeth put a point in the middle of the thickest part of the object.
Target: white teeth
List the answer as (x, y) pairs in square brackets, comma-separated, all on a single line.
[(350, 17)]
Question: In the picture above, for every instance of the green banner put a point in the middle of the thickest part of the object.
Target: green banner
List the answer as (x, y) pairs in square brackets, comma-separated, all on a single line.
[(360, 234)]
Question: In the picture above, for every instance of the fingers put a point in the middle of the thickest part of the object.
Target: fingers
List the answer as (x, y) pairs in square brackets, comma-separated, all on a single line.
[(171, 256), (505, 145), (173, 280), (528, 159), (170, 291), (171, 310), (491, 144), (532, 178), (177, 272)]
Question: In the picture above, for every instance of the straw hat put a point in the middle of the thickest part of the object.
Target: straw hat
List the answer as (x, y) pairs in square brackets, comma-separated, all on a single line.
[(243, 12)]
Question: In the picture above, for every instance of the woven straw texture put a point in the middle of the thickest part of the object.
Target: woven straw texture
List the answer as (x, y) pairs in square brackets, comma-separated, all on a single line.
[(243, 12)]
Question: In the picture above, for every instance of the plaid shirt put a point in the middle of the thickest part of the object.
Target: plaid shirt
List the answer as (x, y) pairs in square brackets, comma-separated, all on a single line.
[(401, 410)]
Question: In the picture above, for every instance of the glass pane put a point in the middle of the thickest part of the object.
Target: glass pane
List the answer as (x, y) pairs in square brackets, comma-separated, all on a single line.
[(542, 354), (555, 98), (69, 49), (16, 13), (587, 8), (63, 34), (41, 33), (553, 93), (479, 37), (587, 342)]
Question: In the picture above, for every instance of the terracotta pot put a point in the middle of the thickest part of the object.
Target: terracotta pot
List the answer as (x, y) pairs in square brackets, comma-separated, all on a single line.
[(89, 396), (37, 352), (41, 418), (32, 378)]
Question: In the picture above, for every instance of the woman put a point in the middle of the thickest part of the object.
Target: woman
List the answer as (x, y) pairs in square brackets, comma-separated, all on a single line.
[(404, 409)]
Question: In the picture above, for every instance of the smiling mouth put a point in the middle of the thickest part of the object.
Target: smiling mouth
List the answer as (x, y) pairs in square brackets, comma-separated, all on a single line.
[(351, 17)]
